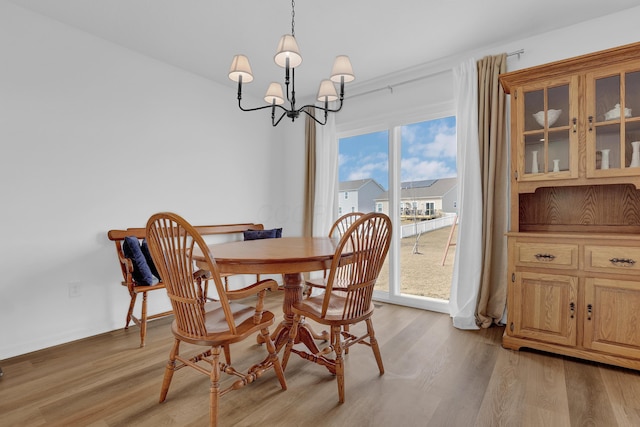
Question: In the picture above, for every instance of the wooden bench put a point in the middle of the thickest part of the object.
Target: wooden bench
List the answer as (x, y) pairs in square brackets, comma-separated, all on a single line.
[(126, 266)]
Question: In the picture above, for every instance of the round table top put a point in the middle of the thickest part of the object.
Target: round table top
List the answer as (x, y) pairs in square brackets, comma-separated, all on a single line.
[(274, 256)]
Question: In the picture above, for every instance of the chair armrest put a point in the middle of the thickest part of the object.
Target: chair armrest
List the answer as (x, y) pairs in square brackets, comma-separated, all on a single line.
[(323, 285), (318, 284), (127, 271), (202, 275), (253, 289)]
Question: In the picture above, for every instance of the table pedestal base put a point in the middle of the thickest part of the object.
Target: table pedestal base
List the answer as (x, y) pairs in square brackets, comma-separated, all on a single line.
[(293, 284)]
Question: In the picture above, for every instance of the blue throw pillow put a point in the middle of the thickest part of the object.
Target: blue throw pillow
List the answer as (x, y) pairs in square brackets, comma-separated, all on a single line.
[(262, 234), (149, 259), (141, 271)]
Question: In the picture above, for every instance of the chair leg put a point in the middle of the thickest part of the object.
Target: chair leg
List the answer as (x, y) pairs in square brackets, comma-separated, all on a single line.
[(131, 306), (374, 345), (292, 338), (346, 329), (214, 389), (337, 348), (227, 354), (143, 320), (273, 357), (169, 370)]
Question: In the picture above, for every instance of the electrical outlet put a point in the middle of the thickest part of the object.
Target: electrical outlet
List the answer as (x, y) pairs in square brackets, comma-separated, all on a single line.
[(75, 289)]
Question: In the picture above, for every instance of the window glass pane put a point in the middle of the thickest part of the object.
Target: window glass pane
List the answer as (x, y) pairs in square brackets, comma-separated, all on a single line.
[(428, 198), (363, 173), (608, 98), (534, 110), (632, 94), (558, 157), (558, 106)]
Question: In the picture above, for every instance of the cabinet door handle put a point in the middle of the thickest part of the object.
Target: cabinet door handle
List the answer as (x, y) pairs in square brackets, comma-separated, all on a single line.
[(575, 124), (622, 262), (590, 123), (572, 309), (545, 257), (589, 311)]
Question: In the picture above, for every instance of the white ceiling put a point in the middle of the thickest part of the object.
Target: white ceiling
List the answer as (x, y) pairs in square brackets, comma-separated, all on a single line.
[(380, 36)]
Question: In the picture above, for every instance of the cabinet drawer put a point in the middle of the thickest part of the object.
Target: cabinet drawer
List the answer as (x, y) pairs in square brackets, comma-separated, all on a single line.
[(612, 259), (553, 255)]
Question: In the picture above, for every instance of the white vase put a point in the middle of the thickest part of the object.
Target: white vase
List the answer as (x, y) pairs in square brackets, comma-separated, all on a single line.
[(604, 161), (534, 163), (635, 156), (556, 165)]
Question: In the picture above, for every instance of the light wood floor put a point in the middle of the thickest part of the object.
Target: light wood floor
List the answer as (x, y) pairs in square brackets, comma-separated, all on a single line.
[(435, 375)]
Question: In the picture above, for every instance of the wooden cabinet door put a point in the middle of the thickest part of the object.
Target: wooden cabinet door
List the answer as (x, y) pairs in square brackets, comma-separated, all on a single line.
[(545, 307), (613, 120), (612, 316), (547, 130)]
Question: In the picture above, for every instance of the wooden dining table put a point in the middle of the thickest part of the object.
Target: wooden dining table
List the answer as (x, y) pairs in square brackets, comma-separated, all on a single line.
[(291, 257)]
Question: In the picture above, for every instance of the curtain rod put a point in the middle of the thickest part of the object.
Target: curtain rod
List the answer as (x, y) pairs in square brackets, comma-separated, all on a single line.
[(390, 87), (517, 52)]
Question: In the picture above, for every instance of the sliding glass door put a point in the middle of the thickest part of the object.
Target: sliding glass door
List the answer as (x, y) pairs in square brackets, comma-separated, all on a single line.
[(408, 172)]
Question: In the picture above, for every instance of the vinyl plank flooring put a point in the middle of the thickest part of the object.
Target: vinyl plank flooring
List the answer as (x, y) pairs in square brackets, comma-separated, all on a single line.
[(435, 375), (623, 394), (589, 403)]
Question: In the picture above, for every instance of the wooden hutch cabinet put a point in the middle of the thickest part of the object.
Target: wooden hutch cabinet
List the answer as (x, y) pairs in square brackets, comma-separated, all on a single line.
[(574, 239)]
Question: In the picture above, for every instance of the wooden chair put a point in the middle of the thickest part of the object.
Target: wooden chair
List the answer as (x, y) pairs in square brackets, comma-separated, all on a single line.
[(343, 223), (348, 297), (135, 289), (126, 266), (213, 324), (337, 230)]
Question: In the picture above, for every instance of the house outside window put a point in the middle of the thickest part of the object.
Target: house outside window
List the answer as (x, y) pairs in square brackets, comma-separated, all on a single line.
[(429, 208)]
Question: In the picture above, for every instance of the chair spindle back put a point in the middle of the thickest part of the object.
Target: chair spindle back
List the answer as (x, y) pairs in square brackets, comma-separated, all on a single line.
[(357, 262), (172, 241)]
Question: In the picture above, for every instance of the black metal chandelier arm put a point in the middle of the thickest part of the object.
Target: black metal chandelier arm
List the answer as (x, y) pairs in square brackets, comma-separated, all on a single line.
[(304, 110), (328, 110), (275, 122), (259, 108)]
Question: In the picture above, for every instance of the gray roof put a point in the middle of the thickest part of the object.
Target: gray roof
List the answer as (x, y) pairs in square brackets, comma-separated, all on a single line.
[(417, 184), (428, 189), (356, 184)]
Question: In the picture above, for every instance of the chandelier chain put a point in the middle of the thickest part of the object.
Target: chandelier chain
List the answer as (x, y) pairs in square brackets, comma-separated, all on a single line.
[(293, 18)]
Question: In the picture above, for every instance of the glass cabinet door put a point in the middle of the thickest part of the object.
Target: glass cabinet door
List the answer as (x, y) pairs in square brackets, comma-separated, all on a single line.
[(613, 134), (549, 132)]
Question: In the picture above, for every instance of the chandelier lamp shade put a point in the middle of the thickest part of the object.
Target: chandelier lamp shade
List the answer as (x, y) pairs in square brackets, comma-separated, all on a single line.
[(288, 57)]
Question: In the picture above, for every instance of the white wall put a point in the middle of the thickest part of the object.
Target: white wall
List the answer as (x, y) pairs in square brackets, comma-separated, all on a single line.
[(94, 137), (378, 104)]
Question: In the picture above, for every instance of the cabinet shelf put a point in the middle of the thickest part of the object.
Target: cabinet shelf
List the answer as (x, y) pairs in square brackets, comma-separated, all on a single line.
[(597, 207)]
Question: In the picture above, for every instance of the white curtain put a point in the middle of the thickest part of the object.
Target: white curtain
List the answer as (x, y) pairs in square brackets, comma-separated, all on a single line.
[(467, 267), (326, 177)]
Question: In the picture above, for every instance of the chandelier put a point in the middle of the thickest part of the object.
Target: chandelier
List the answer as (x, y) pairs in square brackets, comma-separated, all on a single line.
[(288, 57)]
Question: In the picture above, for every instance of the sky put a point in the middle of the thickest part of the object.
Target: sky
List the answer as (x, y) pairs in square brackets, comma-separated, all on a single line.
[(428, 152)]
